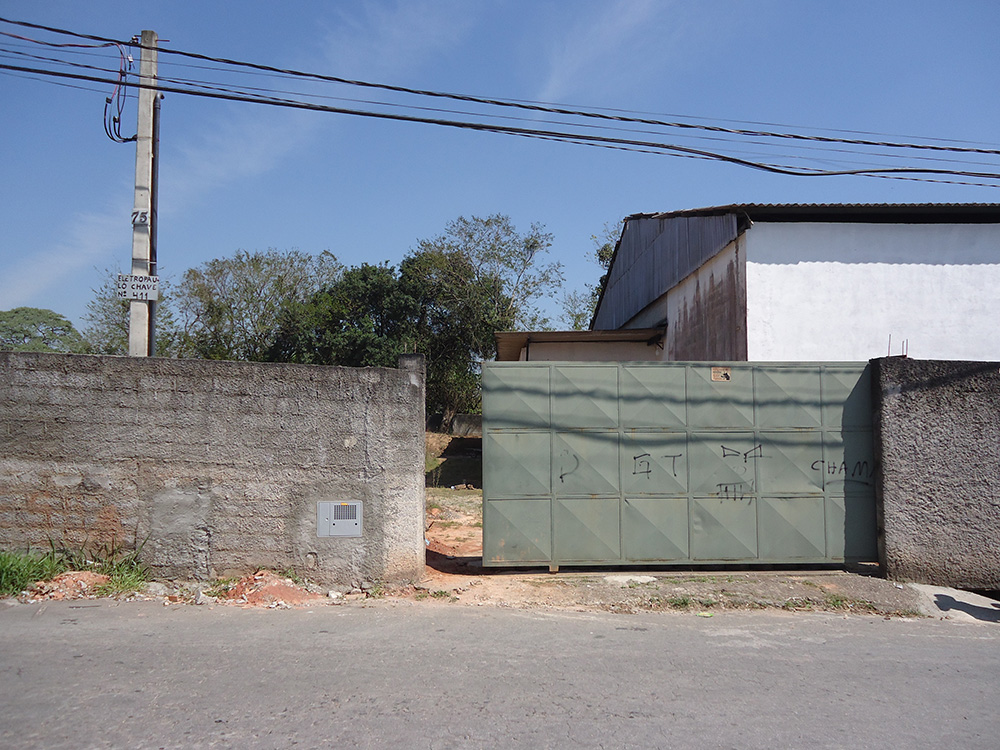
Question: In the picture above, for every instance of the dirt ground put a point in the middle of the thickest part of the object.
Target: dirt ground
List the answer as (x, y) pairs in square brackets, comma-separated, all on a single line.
[(454, 573)]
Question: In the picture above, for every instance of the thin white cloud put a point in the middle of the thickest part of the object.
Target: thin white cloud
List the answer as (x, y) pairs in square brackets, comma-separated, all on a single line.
[(383, 40), (91, 239), (592, 53), (252, 142)]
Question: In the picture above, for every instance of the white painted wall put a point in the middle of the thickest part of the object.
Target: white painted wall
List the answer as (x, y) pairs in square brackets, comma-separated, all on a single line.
[(837, 291)]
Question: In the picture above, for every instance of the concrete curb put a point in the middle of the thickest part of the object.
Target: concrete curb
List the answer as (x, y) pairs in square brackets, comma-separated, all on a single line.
[(954, 604)]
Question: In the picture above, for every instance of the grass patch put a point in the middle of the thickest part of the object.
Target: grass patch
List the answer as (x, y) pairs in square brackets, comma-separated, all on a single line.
[(836, 601), (19, 570), (441, 594), (291, 575), (126, 575)]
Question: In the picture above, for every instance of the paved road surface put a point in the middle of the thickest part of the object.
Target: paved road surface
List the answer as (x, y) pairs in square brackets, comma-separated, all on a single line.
[(141, 675)]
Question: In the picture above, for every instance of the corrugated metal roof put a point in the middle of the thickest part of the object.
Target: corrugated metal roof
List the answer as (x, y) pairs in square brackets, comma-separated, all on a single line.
[(903, 213), (698, 232)]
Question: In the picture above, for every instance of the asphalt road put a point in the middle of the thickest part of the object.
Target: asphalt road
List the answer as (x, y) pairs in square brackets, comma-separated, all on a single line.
[(142, 675)]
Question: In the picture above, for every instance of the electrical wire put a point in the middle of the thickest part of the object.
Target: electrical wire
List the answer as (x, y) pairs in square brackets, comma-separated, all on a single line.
[(529, 132), (515, 103), (115, 103), (568, 131)]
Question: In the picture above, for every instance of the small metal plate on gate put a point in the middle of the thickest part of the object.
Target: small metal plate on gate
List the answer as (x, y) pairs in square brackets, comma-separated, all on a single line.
[(339, 519), (722, 374)]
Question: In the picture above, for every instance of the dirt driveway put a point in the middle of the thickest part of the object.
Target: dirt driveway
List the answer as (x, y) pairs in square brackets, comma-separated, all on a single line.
[(454, 573)]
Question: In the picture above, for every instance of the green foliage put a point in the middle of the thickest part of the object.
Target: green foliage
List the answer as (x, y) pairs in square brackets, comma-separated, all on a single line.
[(458, 310), (18, 571), (578, 309), (125, 576), (678, 602), (507, 265), (445, 300), (363, 319), (123, 568), (220, 587), (231, 307), (31, 329)]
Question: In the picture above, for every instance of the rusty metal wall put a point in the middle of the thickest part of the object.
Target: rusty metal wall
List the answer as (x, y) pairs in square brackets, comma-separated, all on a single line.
[(654, 255)]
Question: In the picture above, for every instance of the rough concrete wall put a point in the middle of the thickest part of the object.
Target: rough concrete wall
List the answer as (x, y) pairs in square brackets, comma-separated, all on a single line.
[(213, 468), (706, 318), (937, 432)]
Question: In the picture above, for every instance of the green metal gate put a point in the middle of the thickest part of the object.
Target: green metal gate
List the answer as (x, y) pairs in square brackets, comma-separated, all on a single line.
[(687, 463)]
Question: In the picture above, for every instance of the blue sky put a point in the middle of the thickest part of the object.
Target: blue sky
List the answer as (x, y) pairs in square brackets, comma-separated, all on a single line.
[(242, 176)]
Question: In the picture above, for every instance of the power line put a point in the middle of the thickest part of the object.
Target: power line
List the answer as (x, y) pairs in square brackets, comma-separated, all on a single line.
[(528, 132), (245, 94), (521, 104), (244, 89)]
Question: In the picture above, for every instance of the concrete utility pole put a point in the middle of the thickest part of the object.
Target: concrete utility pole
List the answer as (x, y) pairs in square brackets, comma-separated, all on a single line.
[(142, 309)]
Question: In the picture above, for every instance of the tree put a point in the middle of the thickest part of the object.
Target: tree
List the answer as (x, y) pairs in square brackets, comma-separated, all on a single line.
[(459, 311), (507, 262), (578, 309), (32, 329), (436, 303), (107, 320), (579, 306), (231, 307), (363, 319)]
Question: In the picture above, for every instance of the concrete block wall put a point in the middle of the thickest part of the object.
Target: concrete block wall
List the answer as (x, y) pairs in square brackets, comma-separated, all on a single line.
[(214, 468), (937, 433)]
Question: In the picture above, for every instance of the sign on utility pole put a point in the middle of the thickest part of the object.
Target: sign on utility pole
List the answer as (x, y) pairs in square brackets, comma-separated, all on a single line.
[(142, 309)]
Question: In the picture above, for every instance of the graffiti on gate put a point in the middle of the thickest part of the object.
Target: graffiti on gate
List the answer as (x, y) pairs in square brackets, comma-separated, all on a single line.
[(740, 462)]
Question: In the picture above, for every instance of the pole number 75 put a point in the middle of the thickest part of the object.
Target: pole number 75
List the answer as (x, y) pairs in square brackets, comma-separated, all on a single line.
[(140, 217)]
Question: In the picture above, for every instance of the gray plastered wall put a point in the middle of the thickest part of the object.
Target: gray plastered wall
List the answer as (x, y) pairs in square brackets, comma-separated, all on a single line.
[(214, 468), (937, 432)]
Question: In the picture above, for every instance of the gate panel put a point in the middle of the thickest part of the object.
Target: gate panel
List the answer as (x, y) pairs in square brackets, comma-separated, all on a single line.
[(720, 396), (677, 463), (792, 528), (655, 528), (520, 463), (723, 464), (519, 531), (653, 397), (724, 529), (654, 463), (585, 463), (586, 530)]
